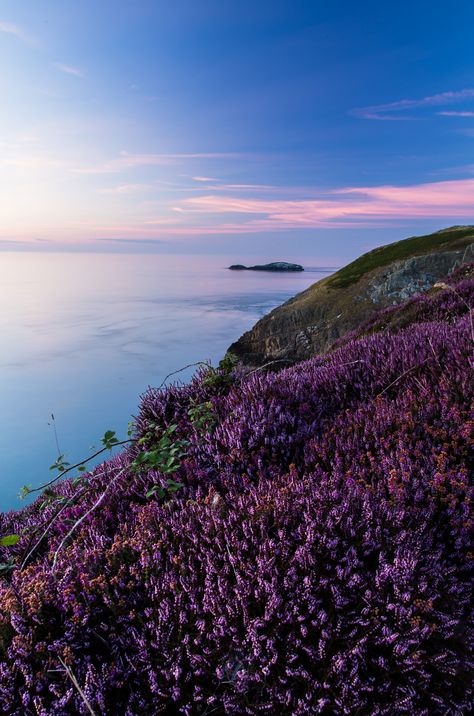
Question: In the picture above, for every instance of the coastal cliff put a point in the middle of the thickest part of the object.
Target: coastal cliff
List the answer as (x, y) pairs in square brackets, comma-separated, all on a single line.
[(314, 320)]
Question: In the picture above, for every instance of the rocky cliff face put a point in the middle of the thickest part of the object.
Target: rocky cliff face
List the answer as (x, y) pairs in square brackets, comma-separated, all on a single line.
[(311, 322)]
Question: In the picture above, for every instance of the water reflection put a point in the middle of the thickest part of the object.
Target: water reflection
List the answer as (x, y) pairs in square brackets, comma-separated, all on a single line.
[(83, 335)]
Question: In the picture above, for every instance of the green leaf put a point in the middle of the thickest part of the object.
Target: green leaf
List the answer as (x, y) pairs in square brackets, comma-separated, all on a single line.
[(9, 540), (24, 491), (109, 439), (170, 470), (173, 486), (156, 490), (60, 465)]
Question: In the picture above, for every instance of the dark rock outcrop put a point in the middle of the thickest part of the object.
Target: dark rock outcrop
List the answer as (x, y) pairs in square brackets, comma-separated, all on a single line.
[(311, 322), (275, 266)]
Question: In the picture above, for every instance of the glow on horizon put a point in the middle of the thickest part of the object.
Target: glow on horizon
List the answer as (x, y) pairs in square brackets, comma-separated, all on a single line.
[(97, 145), (214, 213)]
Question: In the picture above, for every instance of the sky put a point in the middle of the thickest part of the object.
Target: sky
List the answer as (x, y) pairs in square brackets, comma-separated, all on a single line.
[(284, 128)]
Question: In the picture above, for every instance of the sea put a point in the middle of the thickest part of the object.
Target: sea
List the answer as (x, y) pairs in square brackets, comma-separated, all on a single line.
[(84, 334)]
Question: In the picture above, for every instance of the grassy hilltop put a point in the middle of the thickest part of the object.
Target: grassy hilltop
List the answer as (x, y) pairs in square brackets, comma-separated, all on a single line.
[(314, 320), (455, 237)]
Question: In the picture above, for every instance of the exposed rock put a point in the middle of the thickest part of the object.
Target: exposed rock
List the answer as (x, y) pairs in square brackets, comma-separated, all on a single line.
[(406, 278), (275, 266), (311, 322)]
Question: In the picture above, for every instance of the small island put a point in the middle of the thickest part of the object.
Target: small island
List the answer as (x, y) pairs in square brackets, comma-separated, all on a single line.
[(275, 266)]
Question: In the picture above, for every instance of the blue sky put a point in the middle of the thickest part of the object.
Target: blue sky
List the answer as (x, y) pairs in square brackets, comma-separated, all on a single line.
[(283, 128)]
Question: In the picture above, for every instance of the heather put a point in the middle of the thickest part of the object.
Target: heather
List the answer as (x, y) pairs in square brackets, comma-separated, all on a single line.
[(313, 556), (434, 305)]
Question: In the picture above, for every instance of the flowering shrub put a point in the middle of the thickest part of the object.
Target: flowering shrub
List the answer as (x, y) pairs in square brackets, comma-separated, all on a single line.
[(443, 306), (317, 558)]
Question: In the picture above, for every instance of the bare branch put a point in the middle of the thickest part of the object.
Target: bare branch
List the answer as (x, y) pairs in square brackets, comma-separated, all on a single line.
[(267, 365), (180, 370), (78, 464), (405, 372), (81, 519), (76, 684)]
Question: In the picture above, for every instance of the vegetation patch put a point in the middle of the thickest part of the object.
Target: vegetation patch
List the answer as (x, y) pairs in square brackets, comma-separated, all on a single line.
[(416, 246)]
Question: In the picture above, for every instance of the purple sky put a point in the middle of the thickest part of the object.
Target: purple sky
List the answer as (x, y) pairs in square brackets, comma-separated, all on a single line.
[(286, 129)]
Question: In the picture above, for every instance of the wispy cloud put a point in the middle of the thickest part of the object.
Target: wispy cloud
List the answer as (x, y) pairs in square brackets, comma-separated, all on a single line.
[(19, 141), (92, 170), (69, 69), (129, 160), (343, 207), (456, 170), (252, 188), (127, 189), (11, 29), (370, 113), (349, 207), (204, 179), (456, 114), (31, 162), (149, 241), (385, 111)]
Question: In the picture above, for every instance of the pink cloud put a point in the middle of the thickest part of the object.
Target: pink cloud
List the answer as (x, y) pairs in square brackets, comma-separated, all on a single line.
[(449, 200), (204, 179), (92, 170), (362, 207), (452, 202), (127, 189), (69, 70), (10, 29)]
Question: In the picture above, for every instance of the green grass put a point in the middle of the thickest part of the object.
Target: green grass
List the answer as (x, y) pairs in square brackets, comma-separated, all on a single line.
[(384, 255)]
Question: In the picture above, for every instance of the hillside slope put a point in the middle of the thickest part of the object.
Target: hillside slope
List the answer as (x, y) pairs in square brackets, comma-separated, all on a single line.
[(311, 322), (313, 554)]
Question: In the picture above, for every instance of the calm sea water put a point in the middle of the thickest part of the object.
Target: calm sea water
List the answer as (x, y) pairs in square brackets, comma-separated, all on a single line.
[(83, 335)]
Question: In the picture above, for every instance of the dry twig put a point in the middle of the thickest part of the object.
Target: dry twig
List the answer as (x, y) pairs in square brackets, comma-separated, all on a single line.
[(78, 464), (76, 684), (81, 519), (180, 370)]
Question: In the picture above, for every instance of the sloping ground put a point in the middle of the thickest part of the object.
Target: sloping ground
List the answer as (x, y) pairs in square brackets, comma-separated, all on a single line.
[(434, 304), (317, 559), (456, 237), (311, 322)]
